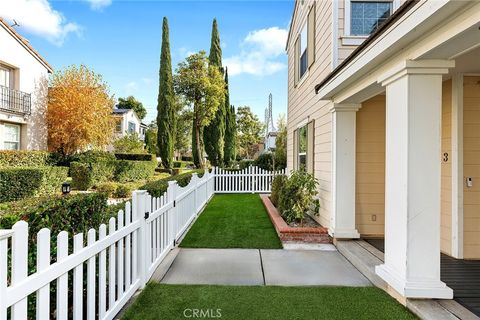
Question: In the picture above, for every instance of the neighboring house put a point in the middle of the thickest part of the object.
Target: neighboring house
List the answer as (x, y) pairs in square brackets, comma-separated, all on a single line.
[(127, 122), (384, 109), (269, 141), (22, 93)]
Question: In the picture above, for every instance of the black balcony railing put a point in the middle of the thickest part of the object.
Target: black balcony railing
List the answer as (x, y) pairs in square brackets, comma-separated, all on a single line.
[(15, 101)]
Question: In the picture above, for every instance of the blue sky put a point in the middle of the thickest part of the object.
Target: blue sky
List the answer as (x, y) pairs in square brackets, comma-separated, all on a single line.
[(121, 40)]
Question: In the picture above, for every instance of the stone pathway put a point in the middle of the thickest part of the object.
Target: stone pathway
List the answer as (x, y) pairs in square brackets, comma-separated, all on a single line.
[(261, 267)]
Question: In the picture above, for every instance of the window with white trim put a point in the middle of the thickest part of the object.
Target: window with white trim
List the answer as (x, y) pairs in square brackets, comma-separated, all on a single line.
[(132, 127), (11, 136), (302, 147), (366, 16), (303, 50), (118, 125)]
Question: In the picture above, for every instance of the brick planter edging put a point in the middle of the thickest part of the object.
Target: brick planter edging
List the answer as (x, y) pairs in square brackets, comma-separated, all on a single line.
[(298, 234)]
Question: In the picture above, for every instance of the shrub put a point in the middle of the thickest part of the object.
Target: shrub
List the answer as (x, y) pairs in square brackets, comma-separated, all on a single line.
[(158, 187), (94, 157), (277, 188), (86, 175), (136, 156), (245, 163), (264, 161), (126, 170), (129, 144), (24, 158), (19, 183), (92, 168), (108, 188), (123, 190), (297, 196), (183, 164), (185, 158)]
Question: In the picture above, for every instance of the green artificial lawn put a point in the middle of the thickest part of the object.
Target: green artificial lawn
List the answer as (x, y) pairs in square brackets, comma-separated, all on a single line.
[(160, 301), (233, 221)]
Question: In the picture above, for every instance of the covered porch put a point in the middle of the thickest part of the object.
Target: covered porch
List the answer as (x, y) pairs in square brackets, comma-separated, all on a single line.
[(406, 152)]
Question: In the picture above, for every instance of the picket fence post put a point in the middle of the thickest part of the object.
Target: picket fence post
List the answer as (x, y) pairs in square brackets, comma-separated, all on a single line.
[(4, 236), (171, 197), (195, 179), (138, 212)]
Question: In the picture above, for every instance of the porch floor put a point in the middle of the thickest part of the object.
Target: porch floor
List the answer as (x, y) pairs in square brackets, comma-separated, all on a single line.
[(463, 276)]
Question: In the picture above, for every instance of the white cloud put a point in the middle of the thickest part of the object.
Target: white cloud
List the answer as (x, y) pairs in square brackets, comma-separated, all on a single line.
[(39, 18), (260, 52), (99, 4), (130, 88)]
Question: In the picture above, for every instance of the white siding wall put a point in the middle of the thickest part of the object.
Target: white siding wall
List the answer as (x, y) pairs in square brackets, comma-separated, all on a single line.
[(28, 74)]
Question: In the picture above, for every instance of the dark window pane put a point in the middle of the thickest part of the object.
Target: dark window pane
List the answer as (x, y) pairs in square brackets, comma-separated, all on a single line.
[(356, 27), (367, 16), (303, 63)]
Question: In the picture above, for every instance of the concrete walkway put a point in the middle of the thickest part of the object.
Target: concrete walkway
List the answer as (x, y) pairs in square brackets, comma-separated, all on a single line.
[(262, 267)]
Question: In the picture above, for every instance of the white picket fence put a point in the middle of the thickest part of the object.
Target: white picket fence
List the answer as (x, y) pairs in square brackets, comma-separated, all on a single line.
[(119, 258), (118, 261), (249, 180)]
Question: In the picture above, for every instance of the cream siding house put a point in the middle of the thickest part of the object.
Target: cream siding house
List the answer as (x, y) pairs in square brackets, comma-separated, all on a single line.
[(386, 113), (22, 93), (127, 122)]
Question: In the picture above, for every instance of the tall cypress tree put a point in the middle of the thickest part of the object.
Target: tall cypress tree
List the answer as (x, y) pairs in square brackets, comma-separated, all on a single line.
[(230, 126), (166, 103), (214, 133)]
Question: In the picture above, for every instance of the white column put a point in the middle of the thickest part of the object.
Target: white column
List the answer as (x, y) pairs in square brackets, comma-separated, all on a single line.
[(343, 174), (457, 166), (412, 180)]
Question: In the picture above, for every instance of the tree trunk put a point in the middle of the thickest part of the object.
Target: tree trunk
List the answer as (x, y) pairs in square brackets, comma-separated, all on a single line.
[(199, 143)]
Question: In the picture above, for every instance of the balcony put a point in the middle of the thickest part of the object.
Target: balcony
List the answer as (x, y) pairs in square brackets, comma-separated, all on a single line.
[(15, 101)]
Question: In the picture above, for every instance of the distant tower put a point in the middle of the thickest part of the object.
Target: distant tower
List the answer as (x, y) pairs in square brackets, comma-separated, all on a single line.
[(269, 127), (270, 131)]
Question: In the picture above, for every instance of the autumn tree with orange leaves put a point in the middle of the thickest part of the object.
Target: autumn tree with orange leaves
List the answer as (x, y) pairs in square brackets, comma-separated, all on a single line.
[(79, 111)]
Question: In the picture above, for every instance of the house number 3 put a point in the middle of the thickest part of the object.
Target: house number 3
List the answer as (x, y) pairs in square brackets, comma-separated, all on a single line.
[(445, 157)]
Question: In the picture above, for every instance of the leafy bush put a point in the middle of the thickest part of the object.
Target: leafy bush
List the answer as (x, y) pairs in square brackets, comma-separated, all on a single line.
[(129, 144), (91, 168), (123, 190), (264, 161), (185, 158), (94, 157), (158, 187), (136, 156), (19, 183), (183, 164), (126, 170), (108, 188), (277, 188), (245, 163), (297, 196), (86, 175), (24, 158)]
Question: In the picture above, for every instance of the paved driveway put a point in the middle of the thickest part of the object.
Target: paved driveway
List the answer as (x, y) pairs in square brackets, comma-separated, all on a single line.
[(263, 267)]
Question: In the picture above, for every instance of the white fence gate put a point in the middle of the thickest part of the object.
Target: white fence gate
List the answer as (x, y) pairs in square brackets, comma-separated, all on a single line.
[(248, 180), (118, 259)]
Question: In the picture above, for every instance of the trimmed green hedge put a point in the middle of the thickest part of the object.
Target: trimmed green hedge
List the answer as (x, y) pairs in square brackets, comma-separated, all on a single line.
[(20, 183), (183, 164), (159, 187), (127, 170), (24, 158), (245, 163), (86, 175), (136, 156)]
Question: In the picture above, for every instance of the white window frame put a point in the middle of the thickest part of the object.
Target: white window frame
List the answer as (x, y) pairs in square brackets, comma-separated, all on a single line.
[(118, 125), (134, 127), (298, 146), (350, 40), (304, 28), (19, 128)]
